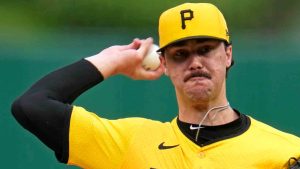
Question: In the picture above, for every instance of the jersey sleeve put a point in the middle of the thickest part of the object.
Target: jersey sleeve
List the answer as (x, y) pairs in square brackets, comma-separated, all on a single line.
[(96, 142), (45, 108)]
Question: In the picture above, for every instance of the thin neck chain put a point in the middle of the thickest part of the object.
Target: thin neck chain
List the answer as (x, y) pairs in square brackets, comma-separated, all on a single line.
[(220, 108)]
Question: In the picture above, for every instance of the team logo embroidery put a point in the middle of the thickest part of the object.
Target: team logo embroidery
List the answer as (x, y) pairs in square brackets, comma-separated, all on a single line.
[(161, 146), (187, 14)]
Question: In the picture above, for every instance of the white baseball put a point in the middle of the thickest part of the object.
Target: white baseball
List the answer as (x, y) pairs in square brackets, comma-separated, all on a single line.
[(151, 60)]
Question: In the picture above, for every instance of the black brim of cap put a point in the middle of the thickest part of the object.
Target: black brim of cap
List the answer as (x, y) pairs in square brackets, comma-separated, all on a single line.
[(190, 38)]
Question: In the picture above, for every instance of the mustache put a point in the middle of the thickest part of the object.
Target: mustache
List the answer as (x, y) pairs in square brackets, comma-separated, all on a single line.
[(197, 74)]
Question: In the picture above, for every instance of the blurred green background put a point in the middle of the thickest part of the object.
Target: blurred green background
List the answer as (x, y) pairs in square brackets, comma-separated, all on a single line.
[(38, 36)]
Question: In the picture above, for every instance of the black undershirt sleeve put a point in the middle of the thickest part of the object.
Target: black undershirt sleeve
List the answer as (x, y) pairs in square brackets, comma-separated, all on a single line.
[(45, 109)]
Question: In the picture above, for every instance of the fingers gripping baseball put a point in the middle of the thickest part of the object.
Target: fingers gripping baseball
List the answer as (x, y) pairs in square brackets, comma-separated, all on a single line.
[(136, 69), (126, 60)]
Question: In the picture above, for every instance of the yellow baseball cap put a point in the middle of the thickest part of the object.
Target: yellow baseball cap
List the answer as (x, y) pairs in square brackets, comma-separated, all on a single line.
[(191, 20)]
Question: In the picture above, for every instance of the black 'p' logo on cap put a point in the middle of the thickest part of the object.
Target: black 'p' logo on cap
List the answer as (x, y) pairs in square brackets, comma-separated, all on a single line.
[(185, 18)]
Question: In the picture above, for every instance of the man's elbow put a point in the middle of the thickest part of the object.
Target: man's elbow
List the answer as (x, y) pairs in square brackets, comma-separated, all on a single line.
[(19, 108)]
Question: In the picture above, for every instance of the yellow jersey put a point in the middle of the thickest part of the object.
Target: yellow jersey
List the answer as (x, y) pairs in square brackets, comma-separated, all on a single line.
[(139, 143)]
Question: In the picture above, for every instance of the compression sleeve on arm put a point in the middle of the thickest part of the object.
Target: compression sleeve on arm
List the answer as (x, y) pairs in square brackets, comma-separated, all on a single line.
[(45, 109)]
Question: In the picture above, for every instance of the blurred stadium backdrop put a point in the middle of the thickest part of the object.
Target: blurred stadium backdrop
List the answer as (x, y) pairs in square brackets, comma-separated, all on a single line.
[(38, 36)]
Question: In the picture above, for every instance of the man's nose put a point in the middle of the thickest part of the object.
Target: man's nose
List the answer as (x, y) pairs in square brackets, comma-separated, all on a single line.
[(196, 62)]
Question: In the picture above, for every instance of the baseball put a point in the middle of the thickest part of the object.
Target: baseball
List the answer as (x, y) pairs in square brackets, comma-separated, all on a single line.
[(151, 60)]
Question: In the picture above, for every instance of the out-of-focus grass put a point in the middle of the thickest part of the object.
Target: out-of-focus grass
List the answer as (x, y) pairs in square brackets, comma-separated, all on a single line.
[(254, 14), (19, 23)]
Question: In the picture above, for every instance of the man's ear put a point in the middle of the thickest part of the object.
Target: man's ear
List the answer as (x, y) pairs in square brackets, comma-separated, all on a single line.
[(163, 62), (228, 51)]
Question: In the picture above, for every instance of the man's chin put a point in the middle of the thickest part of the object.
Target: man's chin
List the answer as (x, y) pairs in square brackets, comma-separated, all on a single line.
[(198, 94)]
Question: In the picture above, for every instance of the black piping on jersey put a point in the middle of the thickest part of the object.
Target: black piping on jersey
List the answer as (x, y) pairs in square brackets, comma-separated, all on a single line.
[(212, 134), (45, 109)]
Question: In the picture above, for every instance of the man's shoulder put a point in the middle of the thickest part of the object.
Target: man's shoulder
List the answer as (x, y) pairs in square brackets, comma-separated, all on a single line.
[(264, 130), (84, 115)]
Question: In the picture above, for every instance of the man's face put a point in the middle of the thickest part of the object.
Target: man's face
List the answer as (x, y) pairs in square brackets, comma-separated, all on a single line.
[(197, 68)]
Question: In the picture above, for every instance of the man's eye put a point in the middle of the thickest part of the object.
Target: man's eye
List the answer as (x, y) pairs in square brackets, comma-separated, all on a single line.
[(180, 56), (204, 50)]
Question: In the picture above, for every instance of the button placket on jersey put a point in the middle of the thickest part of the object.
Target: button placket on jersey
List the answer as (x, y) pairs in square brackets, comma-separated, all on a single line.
[(201, 154)]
